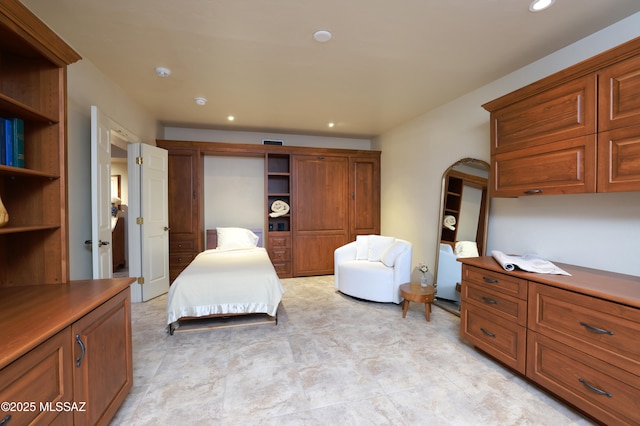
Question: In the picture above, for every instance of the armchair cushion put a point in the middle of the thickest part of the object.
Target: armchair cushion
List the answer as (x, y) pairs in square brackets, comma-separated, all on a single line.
[(392, 252)]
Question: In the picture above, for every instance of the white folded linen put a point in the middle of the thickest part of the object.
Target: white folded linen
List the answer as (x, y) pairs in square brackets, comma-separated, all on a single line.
[(527, 262), (279, 208), (449, 222)]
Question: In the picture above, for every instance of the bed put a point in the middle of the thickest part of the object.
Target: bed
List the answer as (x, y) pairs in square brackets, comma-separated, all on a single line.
[(233, 277)]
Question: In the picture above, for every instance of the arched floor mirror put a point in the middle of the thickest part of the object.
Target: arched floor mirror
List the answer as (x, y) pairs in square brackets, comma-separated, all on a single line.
[(462, 226)]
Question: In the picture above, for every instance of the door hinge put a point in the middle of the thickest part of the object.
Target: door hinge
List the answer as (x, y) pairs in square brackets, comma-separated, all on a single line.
[(138, 160), (139, 220), (140, 280)]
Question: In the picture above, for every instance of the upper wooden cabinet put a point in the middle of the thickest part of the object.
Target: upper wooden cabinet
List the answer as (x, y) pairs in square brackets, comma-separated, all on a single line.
[(560, 113), (575, 131), (33, 76), (619, 95)]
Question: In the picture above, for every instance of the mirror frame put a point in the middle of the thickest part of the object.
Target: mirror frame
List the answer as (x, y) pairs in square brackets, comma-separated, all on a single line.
[(484, 219)]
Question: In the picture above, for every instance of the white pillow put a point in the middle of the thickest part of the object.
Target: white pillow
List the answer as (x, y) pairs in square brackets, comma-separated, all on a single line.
[(466, 249), (362, 247), (236, 238), (393, 251), (377, 246)]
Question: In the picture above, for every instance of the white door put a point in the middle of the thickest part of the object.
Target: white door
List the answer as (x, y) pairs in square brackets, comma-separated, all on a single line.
[(101, 195), (149, 230)]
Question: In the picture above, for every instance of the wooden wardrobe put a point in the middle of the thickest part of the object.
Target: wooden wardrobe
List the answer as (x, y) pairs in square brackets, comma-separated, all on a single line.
[(334, 195)]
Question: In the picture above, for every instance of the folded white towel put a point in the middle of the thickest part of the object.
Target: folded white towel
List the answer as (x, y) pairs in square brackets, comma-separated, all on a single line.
[(279, 208), (449, 222), (527, 262)]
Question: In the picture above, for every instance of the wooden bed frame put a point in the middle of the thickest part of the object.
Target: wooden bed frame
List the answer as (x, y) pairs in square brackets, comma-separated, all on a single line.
[(222, 320)]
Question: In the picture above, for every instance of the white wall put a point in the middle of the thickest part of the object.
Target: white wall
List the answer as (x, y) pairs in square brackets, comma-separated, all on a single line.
[(205, 135), (594, 230), (86, 86), (234, 192)]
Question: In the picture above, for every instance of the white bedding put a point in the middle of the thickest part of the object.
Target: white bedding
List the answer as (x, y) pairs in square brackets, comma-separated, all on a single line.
[(221, 282)]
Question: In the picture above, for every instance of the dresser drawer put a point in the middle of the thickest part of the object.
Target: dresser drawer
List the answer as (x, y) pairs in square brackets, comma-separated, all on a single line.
[(283, 269), (182, 245), (279, 241), (496, 281), (608, 393), (280, 255), (500, 338), (502, 305), (604, 329), (181, 260)]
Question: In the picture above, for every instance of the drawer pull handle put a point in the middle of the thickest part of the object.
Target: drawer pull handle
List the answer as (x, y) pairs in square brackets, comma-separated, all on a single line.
[(533, 191), (82, 348), (594, 389), (596, 329), (5, 420), (487, 333), (490, 280), (489, 301)]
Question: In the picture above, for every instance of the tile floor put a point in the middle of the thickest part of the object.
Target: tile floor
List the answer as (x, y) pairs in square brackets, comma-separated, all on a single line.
[(330, 360)]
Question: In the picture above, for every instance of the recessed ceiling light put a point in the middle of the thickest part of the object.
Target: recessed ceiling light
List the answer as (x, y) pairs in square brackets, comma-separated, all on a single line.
[(331, 124), (540, 5), (322, 36), (200, 101), (231, 118), (163, 72)]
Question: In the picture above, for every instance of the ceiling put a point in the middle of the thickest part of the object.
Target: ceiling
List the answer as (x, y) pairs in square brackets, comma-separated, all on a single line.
[(387, 63)]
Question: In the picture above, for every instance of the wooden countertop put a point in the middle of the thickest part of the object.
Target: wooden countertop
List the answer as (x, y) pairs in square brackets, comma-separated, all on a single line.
[(605, 285), (29, 315)]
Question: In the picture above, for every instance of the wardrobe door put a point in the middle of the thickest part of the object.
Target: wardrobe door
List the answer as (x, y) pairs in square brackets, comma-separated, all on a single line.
[(320, 211), (364, 207)]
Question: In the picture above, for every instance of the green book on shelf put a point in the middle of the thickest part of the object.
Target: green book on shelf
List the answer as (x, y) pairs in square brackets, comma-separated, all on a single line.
[(18, 142)]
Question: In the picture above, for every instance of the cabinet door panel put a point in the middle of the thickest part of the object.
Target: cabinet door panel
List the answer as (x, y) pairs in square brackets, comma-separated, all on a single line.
[(313, 253), (105, 374), (599, 388), (619, 95), (321, 191), (619, 160), (566, 167), (44, 375), (560, 113), (183, 194), (321, 187), (364, 209)]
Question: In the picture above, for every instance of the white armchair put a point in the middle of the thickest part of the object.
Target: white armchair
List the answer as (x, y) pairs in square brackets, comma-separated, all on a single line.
[(373, 267)]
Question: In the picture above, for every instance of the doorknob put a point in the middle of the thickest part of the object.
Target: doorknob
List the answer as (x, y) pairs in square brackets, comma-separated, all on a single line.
[(103, 243), (166, 228)]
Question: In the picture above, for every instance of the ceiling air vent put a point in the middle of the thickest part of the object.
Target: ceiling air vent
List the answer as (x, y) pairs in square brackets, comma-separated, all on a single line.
[(279, 142)]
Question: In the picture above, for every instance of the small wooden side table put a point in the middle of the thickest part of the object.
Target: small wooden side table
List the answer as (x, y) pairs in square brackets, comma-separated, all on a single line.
[(414, 292)]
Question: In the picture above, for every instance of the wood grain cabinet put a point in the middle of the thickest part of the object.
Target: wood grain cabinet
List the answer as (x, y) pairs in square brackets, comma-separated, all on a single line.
[(573, 132), (103, 368), (333, 195), (321, 206), (67, 351), (33, 78), (43, 375), (580, 332), (494, 316), (184, 204)]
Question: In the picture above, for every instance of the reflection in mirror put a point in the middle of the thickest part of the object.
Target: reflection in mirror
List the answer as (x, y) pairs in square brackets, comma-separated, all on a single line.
[(462, 226)]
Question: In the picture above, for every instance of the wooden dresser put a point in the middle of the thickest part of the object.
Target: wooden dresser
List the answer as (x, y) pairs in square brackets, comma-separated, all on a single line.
[(577, 336), (66, 352)]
